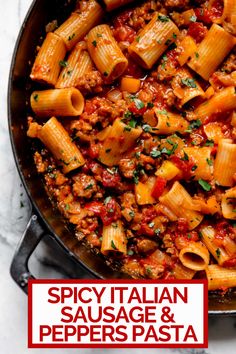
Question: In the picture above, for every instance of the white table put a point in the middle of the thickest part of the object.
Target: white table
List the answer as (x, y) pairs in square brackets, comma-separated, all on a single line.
[(14, 214)]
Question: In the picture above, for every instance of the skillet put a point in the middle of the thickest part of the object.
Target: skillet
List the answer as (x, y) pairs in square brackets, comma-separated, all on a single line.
[(44, 219)]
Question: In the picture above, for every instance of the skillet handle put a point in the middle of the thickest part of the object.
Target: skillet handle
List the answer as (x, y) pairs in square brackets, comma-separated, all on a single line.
[(19, 267)]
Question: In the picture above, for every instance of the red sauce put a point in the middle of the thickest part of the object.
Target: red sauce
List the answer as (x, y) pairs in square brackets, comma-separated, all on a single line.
[(197, 30)]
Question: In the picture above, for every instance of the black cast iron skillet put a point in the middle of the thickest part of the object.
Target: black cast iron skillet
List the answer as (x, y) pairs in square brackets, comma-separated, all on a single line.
[(45, 220)]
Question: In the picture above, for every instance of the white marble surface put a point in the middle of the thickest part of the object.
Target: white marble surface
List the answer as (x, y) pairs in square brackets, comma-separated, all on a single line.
[(15, 211)]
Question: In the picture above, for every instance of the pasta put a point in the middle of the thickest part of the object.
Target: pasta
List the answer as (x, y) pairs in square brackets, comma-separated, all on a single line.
[(105, 52), (58, 141), (46, 67), (77, 65), (137, 134), (211, 53), (64, 102), (79, 23), (153, 40)]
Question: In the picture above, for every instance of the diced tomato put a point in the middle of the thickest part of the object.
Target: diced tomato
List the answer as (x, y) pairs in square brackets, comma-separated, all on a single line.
[(203, 15), (172, 57), (230, 263), (134, 70), (95, 207), (197, 30), (184, 165), (135, 110), (192, 236), (148, 214), (159, 187), (123, 18), (182, 225), (124, 33), (110, 180), (108, 213), (217, 9), (93, 150)]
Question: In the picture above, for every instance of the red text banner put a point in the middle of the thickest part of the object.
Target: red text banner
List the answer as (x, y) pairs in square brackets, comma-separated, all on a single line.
[(117, 314)]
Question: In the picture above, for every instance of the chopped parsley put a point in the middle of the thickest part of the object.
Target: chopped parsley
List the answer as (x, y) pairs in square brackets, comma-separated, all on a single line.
[(218, 252), (89, 186), (146, 128), (194, 168), (127, 128), (194, 125), (94, 43), (99, 35), (206, 186), (131, 214), (138, 103), (107, 200), (71, 37), (63, 63), (185, 157), (209, 143), (36, 97), (150, 105), (168, 42), (163, 18), (132, 123), (113, 245), (196, 55), (164, 112), (209, 161), (193, 18), (174, 35), (137, 39), (189, 82), (67, 207), (130, 252), (155, 153), (151, 225), (127, 114)]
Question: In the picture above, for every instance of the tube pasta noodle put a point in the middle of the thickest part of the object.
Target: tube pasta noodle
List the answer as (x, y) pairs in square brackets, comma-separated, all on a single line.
[(58, 141), (143, 192), (211, 53), (120, 139), (195, 256), (185, 87), (225, 163), (113, 4), (220, 277), (79, 23), (218, 252), (46, 67), (105, 52), (114, 238), (61, 102), (153, 40), (222, 101), (143, 163), (181, 204), (201, 156), (188, 48), (228, 204), (169, 123), (78, 64)]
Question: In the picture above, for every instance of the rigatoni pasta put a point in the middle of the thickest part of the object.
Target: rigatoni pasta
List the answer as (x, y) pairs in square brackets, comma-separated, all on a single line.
[(46, 67), (60, 102), (57, 140), (211, 52), (78, 64), (153, 40), (225, 164), (105, 52), (79, 23)]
